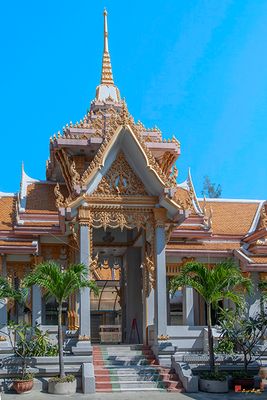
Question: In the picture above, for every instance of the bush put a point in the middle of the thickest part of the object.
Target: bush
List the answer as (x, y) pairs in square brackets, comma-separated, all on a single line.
[(214, 376), (241, 375), (225, 346), (39, 344), (67, 378), (25, 377)]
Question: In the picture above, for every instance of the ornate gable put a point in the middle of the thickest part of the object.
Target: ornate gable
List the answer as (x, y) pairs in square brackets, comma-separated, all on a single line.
[(120, 180)]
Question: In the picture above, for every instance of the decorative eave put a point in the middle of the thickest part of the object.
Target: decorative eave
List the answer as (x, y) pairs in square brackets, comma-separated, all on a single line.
[(18, 245), (199, 253), (247, 264)]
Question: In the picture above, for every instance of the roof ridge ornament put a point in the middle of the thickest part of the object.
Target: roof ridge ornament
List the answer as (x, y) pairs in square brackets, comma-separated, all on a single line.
[(106, 76)]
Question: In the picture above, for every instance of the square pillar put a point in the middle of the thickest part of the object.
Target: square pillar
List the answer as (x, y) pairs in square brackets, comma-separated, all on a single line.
[(84, 308), (36, 305), (83, 346), (5, 346), (160, 264), (3, 302), (188, 306), (254, 302)]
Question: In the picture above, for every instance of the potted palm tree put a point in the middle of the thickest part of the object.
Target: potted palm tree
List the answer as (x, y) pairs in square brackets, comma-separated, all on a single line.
[(60, 284), (224, 281)]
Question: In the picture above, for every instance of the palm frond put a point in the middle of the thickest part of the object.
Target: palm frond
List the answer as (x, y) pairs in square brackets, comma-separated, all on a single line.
[(224, 280), (60, 283)]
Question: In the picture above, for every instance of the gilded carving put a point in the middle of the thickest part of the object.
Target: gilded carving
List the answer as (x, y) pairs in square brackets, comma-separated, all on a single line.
[(74, 234), (125, 119), (160, 217), (183, 198), (163, 338), (60, 201), (116, 217), (75, 176), (207, 215), (149, 273), (93, 266), (263, 217), (120, 180), (84, 215)]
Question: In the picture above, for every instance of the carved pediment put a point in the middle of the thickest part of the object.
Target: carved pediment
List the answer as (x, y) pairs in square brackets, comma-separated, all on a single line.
[(120, 180)]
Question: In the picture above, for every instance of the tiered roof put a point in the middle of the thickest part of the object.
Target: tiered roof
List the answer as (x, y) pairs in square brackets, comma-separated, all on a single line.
[(218, 227)]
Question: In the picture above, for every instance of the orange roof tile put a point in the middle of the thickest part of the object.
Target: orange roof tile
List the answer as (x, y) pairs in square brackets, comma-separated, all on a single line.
[(41, 197), (40, 223), (15, 243), (259, 260), (7, 205), (232, 218), (204, 246)]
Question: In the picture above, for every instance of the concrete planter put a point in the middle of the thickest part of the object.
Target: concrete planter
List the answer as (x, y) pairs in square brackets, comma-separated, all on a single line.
[(62, 387), (206, 385)]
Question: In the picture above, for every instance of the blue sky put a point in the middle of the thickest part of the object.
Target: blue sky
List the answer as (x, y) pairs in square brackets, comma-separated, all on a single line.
[(196, 69)]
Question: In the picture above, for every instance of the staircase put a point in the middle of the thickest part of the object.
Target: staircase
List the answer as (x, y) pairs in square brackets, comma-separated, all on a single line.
[(131, 368)]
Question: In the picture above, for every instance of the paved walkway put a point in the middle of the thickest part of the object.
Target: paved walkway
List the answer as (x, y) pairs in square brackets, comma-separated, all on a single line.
[(34, 395)]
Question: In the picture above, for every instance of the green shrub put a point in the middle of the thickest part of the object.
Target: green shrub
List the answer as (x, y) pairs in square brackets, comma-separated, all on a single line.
[(26, 377), (67, 378), (214, 376)]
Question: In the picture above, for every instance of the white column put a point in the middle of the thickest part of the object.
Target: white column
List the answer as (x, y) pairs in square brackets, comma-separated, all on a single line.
[(254, 299), (36, 305), (3, 302), (188, 306), (160, 261), (84, 309)]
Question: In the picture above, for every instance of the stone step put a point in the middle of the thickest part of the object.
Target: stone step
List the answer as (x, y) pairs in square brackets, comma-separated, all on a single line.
[(129, 384), (139, 369), (124, 353), (129, 347), (122, 358), (135, 377), (123, 362), (131, 368), (141, 389)]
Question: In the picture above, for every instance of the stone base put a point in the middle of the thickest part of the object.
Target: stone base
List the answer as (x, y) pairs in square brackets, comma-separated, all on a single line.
[(88, 378), (163, 350), (82, 348), (5, 347)]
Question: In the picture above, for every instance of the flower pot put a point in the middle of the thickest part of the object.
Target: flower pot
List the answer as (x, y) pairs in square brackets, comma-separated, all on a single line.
[(263, 372), (62, 387), (245, 383), (211, 386), (23, 386)]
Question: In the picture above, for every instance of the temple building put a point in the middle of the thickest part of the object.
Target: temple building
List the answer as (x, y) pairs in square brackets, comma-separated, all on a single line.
[(112, 200)]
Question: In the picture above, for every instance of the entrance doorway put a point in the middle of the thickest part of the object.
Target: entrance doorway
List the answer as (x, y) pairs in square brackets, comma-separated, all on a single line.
[(117, 312)]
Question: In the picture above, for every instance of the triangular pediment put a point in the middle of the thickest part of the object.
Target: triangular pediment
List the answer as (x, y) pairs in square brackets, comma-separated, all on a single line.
[(120, 180)]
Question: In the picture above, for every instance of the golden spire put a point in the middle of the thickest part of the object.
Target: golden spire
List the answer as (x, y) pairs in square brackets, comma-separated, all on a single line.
[(106, 76)]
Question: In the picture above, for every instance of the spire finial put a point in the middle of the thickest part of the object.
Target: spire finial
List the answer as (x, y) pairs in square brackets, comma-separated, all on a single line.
[(105, 31), (106, 77)]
